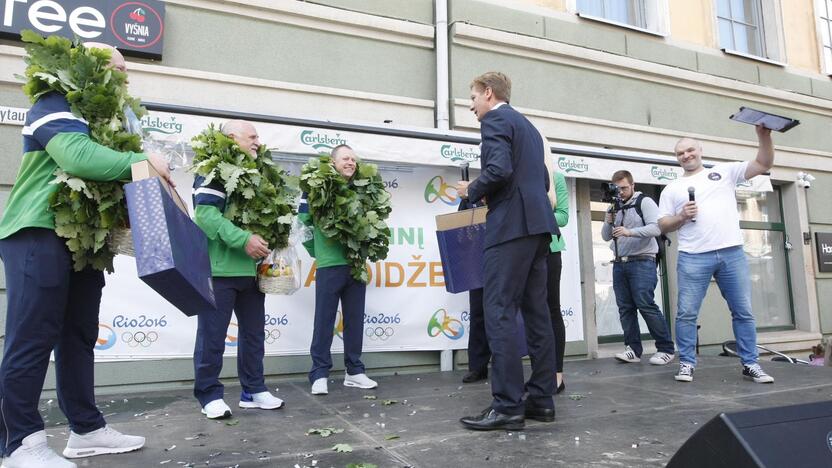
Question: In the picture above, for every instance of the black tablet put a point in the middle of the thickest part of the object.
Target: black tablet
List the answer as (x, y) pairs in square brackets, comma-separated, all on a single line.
[(770, 121)]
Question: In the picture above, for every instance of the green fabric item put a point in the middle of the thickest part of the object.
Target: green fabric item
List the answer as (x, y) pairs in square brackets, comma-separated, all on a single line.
[(327, 252), (226, 243), (75, 153), (561, 212)]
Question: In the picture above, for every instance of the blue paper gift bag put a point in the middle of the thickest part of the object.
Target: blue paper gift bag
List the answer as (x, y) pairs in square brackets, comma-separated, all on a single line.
[(171, 251), (461, 238)]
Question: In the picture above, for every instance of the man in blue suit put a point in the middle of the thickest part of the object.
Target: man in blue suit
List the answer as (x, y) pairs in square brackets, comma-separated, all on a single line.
[(519, 226)]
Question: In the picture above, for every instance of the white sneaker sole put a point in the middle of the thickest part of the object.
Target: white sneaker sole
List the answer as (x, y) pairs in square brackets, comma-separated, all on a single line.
[(319, 392), (630, 361), (93, 451), (253, 405), (660, 362), (768, 380), (355, 385), (680, 378), (227, 414)]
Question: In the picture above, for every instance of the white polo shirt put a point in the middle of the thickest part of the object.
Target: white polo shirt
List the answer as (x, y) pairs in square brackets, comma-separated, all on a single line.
[(717, 223)]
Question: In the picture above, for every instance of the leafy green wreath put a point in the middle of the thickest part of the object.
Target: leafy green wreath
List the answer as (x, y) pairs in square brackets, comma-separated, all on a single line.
[(353, 212), (260, 197), (85, 211)]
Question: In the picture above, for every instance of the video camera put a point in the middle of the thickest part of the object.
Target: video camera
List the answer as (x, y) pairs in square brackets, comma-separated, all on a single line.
[(610, 193)]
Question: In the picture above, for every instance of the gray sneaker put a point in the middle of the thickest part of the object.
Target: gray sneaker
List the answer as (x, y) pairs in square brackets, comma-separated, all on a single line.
[(757, 374), (685, 373), (102, 441)]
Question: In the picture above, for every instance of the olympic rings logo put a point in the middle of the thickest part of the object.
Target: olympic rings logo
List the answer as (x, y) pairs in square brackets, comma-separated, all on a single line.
[(272, 335), (139, 338), (379, 333), (440, 322)]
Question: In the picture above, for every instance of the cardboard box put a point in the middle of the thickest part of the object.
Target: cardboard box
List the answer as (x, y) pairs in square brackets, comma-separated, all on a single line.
[(461, 239)]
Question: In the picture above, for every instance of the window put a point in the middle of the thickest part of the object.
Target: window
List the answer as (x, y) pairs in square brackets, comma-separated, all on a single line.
[(763, 232), (740, 26), (751, 28), (824, 9), (644, 15)]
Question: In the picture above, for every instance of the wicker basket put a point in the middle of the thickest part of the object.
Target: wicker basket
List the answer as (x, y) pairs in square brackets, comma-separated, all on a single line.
[(283, 285), (121, 242)]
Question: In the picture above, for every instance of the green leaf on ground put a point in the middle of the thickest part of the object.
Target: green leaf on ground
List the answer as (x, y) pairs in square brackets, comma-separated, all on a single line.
[(342, 448)]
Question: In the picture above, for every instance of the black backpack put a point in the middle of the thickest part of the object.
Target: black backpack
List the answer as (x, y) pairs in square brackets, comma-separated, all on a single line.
[(661, 240)]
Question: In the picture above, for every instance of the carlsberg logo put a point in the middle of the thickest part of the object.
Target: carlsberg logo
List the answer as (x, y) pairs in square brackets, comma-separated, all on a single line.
[(663, 174), (321, 141), (571, 165), (459, 154), (157, 125)]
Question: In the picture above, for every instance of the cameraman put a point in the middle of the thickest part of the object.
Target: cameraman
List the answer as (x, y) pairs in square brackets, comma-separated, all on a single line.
[(632, 223)]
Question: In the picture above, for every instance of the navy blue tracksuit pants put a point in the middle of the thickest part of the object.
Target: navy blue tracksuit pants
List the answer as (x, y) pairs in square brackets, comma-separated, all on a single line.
[(50, 307), (241, 295), (334, 284)]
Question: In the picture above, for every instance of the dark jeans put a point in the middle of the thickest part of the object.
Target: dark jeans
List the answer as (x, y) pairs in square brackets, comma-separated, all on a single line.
[(635, 284), (50, 307), (515, 278), (334, 284), (241, 295), (554, 268)]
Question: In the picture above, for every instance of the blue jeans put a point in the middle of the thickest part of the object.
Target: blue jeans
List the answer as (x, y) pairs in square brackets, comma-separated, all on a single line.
[(730, 269), (634, 284)]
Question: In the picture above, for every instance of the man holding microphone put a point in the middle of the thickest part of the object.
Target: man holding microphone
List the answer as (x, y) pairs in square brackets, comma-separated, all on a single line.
[(711, 245)]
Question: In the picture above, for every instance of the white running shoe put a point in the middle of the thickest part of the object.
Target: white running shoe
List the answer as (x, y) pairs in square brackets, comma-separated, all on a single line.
[(216, 409), (319, 387), (359, 381), (628, 356), (34, 453), (660, 358), (100, 442), (261, 400)]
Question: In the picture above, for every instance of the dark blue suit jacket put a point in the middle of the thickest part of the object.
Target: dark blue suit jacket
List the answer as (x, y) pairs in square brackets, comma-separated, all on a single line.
[(513, 178)]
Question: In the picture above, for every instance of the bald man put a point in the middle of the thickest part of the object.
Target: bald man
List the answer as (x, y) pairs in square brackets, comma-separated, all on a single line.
[(711, 245), (51, 306), (234, 253)]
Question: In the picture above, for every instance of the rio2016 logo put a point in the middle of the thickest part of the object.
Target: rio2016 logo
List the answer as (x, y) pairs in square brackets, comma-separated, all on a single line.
[(441, 323), (437, 189), (109, 339), (231, 335)]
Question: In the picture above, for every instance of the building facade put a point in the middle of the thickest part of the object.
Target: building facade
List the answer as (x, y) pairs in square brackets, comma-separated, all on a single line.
[(608, 83)]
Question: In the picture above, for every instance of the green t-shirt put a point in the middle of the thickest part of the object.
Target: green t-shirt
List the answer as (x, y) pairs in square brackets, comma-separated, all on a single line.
[(561, 211)]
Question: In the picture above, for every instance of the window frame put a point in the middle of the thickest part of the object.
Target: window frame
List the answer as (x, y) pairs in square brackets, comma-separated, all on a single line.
[(656, 17), (772, 40), (821, 23)]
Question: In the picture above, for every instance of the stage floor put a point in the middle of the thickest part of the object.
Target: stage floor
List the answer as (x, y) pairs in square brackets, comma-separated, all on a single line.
[(611, 414)]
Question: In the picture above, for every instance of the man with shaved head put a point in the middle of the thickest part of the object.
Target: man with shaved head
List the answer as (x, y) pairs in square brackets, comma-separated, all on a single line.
[(711, 245), (51, 306), (234, 253)]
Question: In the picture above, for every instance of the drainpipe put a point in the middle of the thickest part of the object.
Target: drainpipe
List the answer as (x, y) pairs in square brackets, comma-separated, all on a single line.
[(443, 121)]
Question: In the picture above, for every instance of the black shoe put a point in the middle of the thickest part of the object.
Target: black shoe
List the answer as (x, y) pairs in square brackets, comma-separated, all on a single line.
[(494, 421), (561, 387), (475, 376), (540, 414)]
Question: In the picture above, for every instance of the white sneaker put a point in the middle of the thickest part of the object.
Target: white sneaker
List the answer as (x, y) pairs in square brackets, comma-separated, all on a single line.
[(261, 400), (660, 358), (216, 409), (34, 453), (628, 356), (319, 387), (103, 441), (359, 381)]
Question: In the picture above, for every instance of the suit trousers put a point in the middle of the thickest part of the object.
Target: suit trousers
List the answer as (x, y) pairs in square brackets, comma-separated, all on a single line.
[(515, 278), (50, 307)]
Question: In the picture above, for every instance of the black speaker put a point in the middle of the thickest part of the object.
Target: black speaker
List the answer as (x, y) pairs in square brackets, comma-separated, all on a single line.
[(784, 436)]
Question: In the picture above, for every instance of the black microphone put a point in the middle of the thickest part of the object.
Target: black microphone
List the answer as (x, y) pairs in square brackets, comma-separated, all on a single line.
[(464, 168), (692, 197)]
